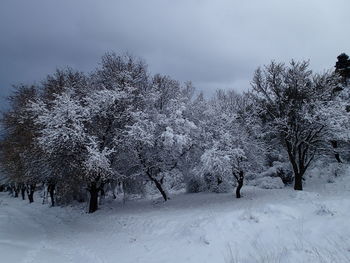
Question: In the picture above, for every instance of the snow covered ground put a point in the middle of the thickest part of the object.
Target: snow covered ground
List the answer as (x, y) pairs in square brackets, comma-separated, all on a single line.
[(264, 226)]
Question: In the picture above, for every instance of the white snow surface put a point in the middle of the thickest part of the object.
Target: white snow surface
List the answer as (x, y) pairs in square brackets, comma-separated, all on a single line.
[(266, 225)]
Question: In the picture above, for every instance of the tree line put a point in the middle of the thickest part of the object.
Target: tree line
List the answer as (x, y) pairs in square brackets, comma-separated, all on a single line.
[(121, 127)]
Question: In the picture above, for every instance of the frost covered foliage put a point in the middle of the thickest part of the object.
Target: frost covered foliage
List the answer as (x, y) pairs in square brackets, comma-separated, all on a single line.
[(275, 177), (267, 182), (329, 171), (98, 161), (335, 113), (232, 149), (217, 170), (161, 136), (196, 183), (62, 123), (121, 130), (281, 170)]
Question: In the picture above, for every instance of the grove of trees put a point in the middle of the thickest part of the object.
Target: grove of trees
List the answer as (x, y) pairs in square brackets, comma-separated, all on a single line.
[(79, 135)]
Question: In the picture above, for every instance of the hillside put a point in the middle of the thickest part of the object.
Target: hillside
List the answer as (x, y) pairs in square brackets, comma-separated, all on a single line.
[(264, 226)]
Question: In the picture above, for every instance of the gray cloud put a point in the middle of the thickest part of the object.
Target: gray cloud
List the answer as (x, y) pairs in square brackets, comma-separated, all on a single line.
[(216, 44)]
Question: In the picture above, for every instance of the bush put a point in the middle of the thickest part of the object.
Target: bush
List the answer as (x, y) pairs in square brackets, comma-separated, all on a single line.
[(174, 180), (268, 182), (133, 186), (195, 184), (216, 183), (281, 170)]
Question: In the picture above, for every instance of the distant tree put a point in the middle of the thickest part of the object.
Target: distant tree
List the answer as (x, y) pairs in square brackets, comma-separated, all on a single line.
[(17, 144), (340, 102), (335, 111), (342, 67)]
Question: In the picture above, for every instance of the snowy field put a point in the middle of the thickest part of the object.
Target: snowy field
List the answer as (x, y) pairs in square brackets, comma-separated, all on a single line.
[(264, 226)]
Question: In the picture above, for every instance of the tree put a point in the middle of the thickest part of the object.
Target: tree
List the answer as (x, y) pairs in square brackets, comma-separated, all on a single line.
[(119, 87), (161, 135), (61, 185), (17, 143), (232, 149), (61, 136), (334, 111), (285, 99), (338, 104), (342, 67), (82, 121)]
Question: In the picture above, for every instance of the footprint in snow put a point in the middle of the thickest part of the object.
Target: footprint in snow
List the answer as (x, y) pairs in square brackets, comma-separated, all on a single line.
[(204, 240), (247, 216), (323, 210)]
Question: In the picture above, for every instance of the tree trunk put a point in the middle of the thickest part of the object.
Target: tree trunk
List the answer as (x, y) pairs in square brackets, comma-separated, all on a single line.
[(161, 190), (31, 197), (336, 153), (298, 170), (102, 190), (51, 190), (93, 204), (298, 181), (337, 157), (102, 193), (30, 192), (10, 190), (159, 185), (113, 190), (23, 192), (16, 191), (240, 184)]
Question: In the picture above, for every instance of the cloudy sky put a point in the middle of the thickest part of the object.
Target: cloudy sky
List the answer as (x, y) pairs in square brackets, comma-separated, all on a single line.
[(216, 44)]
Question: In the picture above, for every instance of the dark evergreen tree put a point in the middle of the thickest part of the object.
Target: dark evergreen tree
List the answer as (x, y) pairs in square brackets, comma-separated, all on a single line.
[(342, 67)]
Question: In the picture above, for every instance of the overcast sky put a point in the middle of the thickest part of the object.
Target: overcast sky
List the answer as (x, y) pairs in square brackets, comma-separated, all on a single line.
[(216, 44)]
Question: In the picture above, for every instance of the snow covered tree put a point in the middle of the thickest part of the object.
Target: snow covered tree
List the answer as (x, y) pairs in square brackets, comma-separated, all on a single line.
[(119, 85), (285, 99), (82, 121), (161, 135), (61, 136), (232, 149), (17, 142), (334, 111), (66, 136), (336, 107), (61, 186)]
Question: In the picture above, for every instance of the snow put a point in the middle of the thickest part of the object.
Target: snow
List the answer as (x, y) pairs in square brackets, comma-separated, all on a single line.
[(265, 225), (268, 182)]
